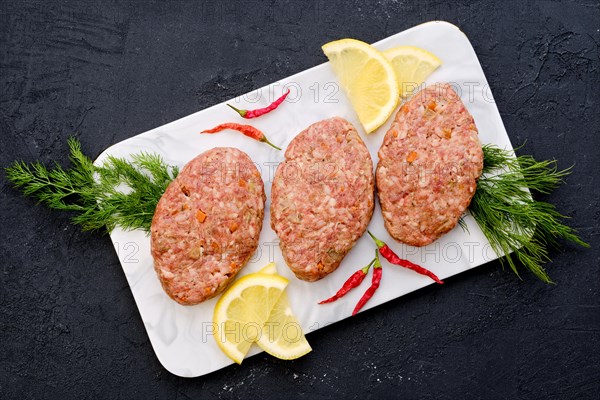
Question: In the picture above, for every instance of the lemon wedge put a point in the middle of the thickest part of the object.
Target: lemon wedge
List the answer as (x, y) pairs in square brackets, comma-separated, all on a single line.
[(243, 310), (412, 66), (368, 79), (282, 336)]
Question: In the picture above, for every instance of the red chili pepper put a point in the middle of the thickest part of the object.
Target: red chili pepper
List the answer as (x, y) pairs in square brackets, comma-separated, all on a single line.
[(393, 258), (247, 130), (377, 273), (261, 111), (352, 282)]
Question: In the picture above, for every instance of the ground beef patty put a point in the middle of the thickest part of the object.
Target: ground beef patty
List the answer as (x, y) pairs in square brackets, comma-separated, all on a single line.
[(428, 166), (322, 197), (206, 225)]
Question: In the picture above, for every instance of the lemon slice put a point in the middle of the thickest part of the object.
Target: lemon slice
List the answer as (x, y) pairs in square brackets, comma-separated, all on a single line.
[(270, 268), (243, 310), (368, 79), (282, 335), (412, 66)]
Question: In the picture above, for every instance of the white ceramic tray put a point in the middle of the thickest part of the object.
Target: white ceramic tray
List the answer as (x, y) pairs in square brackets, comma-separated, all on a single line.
[(180, 335)]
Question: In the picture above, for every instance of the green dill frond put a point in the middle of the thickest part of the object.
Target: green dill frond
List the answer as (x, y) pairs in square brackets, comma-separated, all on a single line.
[(118, 193), (512, 221), (463, 224)]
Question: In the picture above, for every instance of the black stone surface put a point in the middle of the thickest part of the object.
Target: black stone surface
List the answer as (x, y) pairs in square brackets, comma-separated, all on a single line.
[(106, 71)]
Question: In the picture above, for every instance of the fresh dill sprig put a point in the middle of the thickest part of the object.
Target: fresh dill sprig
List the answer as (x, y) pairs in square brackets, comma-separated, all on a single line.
[(118, 193), (510, 218)]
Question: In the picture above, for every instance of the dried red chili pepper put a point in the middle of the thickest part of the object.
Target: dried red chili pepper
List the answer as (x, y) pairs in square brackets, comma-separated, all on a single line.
[(261, 111), (247, 130), (393, 258), (375, 280), (352, 282)]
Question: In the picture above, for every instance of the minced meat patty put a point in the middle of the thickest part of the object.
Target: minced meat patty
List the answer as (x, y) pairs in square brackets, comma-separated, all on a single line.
[(429, 163), (322, 197), (207, 224)]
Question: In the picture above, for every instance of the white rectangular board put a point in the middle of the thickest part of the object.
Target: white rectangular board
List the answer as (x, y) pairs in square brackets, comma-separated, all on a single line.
[(181, 335)]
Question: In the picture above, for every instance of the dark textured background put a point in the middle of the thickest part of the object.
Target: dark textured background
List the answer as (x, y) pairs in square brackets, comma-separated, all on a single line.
[(107, 71)]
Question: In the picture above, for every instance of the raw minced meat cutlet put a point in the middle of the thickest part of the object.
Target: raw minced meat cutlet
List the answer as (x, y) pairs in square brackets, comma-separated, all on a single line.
[(428, 167), (322, 197), (207, 224)]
